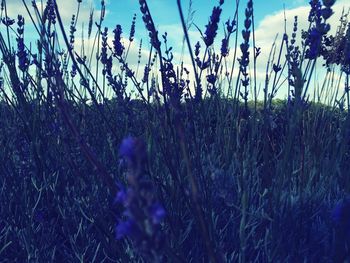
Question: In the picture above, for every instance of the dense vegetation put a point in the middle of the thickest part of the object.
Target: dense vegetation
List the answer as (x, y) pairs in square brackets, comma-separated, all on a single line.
[(171, 168)]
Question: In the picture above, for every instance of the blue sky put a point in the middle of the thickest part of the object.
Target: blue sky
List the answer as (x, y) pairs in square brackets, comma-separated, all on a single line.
[(166, 17), (165, 11)]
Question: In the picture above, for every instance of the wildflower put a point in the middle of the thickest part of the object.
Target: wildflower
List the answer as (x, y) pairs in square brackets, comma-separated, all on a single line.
[(127, 148), (314, 41), (91, 18), (211, 78), (103, 10), (276, 68), (341, 213), (212, 26), (244, 60), (73, 72), (50, 8), (341, 218), (132, 29), (142, 214), (124, 228), (121, 196), (117, 45), (139, 53), (8, 21), (230, 26), (145, 74), (315, 10), (197, 47), (318, 16), (224, 47), (104, 56), (147, 19), (72, 30), (23, 60), (157, 213), (346, 57)]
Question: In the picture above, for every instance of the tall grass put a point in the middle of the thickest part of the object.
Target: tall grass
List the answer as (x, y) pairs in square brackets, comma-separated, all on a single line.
[(101, 164)]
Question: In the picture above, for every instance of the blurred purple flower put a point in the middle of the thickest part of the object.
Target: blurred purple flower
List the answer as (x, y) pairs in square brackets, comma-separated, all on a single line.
[(142, 213), (341, 213), (121, 196), (157, 213), (124, 228), (127, 148)]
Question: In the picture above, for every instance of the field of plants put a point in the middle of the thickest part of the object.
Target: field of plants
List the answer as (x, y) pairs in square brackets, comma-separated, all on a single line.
[(102, 160)]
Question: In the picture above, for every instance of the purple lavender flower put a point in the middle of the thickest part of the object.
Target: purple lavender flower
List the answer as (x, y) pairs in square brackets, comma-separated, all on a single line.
[(124, 228), (346, 58), (73, 72), (7, 21), (341, 214), (91, 17), (127, 147), (224, 47), (147, 19), (341, 218), (22, 54), (117, 45), (314, 41), (157, 213), (142, 216), (318, 16), (121, 196), (230, 26), (244, 60), (51, 15), (197, 49), (132, 29), (104, 56), (72, 31), (212, 26)]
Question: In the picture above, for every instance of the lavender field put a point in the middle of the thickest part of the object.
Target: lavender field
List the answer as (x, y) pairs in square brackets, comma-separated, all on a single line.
[(115, 146)]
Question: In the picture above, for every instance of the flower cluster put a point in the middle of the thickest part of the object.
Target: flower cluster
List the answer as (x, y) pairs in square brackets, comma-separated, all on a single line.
[(173, 85), (49, 12), (104, 55), (230, 28), (317, 17), (212, 26), (23, 60), (293, 58), (147, 19), (346, 57), (105, 59), (244, 60), (7, 21), (142, 212), (341, 214), (91, 18), (132, 29), (117, 45), (72, 31), (341, 219)]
